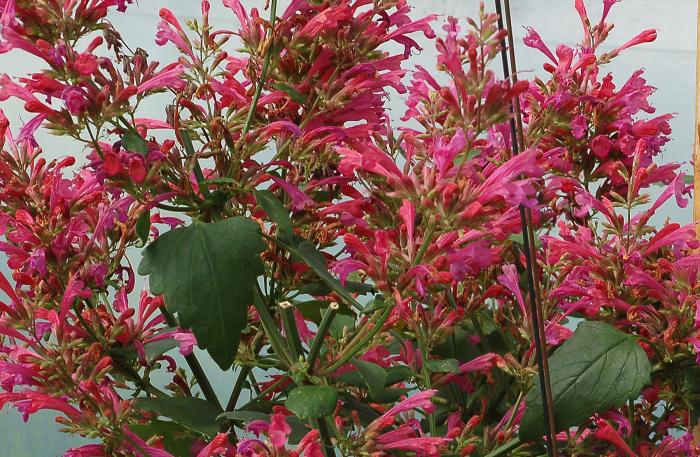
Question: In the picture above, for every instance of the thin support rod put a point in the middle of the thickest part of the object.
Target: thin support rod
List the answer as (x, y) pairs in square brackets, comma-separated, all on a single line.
[(696, 166), (537, 315)]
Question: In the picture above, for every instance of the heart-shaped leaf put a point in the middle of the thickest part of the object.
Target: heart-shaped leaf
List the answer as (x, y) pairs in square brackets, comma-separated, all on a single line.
[(207, 273), (312, 402), (597, 369), (192, 413)]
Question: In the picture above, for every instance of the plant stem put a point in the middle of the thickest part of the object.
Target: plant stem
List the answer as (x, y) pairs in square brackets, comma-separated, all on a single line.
[(326, 443), (323, 329), (189, 148), (270, 388), (237, 388), (270, 327), (194, 364), (263, 73), (505, 449), (356, 344), (290, 330)]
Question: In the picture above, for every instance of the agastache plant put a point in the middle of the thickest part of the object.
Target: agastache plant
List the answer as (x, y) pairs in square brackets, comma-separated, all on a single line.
[(360, 282)]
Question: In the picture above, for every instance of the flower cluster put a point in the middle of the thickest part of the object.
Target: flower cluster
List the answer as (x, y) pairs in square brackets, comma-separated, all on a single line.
[(386, 310)]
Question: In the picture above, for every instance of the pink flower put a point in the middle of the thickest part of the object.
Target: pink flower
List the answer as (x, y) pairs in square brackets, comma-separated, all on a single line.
[(220, 445), (168, 78), (534, 40)]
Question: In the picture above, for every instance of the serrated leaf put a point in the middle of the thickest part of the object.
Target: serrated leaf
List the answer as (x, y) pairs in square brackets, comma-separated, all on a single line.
[(176, 439), (443, 366), (312, 402), (307, 252), (132, 141), (193, 413), (276, 211), (373, 376), (597, 369), (143, 226), (207, 273)]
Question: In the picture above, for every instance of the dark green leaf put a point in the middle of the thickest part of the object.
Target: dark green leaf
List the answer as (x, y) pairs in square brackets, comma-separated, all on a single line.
[(243, 416), (312, 402), (339, 324), (598, 368), (157, 348), (314, 259), (691, 388), (399, 373), (132, 141), (292, 92), (192, 413), (443, 366), (313, 310), (176, 439), (276, 211), (390, 395), (208, 273), (373, 375), (143, 226)]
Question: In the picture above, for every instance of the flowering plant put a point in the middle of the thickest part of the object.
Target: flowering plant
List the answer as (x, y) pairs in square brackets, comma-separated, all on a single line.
[(364, 286)]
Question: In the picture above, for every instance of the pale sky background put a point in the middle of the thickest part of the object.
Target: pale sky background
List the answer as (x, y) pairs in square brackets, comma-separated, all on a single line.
[(669, 64)]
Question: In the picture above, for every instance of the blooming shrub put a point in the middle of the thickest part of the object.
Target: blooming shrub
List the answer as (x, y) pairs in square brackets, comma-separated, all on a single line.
[(362, 284)]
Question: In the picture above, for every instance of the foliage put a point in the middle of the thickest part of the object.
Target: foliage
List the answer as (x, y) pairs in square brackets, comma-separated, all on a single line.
[(361, 285)]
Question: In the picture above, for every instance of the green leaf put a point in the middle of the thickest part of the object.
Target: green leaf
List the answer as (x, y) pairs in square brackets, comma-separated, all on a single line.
[(276, 211), (339, 324), (691, 388), (689, 179), (312, 402), (443, 366), (155, 349), (243, 416), (192, 413), (292, 92), (314, 259), (597, 369), (208, 273), (143, 226), (176, 439), (373, 376), (132, 141), (314, 310)]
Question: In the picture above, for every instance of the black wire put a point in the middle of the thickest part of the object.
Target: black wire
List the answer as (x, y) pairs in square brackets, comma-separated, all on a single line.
[(539, 346)]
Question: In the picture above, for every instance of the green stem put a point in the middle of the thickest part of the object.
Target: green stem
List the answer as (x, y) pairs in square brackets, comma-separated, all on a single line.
[(426, 244), (326, 443), (358, 343), (323, 329), (237, 388), (290, 330), (271, 388), (193, 363), (263, 74), (189, 148), (505, 449), (270, 327)]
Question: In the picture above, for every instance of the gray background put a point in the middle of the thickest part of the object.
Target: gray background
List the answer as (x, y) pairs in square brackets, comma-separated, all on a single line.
[(669, 64)]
